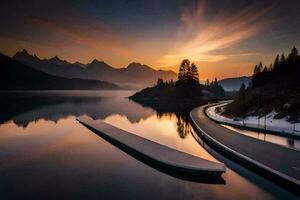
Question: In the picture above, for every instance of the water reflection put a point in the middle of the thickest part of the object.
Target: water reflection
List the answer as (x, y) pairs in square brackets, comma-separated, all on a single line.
[(183, 127), (45, 153), (286, 141), (182, 121), (195, 177), (180, 111), (23, 108)]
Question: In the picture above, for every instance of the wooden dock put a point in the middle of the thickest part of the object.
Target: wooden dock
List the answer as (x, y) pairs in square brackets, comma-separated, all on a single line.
[(275, 162), (157, 154)]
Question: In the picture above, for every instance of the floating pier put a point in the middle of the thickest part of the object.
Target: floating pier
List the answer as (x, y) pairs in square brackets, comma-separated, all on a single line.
[(159, 155)]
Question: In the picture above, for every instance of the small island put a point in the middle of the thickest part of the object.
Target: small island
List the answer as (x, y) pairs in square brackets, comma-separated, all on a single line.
[(186, 91)]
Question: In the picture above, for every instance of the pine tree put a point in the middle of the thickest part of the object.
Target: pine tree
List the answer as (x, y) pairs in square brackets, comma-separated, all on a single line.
[(183, 71), (282, 63), (189, 76), (260, 66), (194, 73), (207, 82), (276, 64), (255, 71), (216, 82), (188, 73), (293, 55), (256, 78), (160, 81), (265, 70), (292, 58)]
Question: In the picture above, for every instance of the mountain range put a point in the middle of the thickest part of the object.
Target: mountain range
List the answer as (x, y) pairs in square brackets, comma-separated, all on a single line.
[(234, 84), (17, 76), (135, 74)]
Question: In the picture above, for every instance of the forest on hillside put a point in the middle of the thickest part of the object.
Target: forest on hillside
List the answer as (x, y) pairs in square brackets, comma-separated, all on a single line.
[(273, 88)]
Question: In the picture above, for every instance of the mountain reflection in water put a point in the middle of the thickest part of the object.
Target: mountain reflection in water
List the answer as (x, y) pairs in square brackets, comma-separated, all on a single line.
[(44, 150), (25, 107)]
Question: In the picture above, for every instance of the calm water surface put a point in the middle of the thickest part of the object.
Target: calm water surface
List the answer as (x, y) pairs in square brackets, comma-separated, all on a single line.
[(286, 141), (46, 154)]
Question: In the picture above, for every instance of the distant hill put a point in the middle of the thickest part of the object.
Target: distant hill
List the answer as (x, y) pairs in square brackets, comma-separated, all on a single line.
[(135, 74), (231, 84), (17, 76)]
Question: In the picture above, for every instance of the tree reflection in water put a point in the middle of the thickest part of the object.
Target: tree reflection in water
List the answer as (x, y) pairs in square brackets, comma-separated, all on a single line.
[(181, 112), (24, 107), (183, 127)]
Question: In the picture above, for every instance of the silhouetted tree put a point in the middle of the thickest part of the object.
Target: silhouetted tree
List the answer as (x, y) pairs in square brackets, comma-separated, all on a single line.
[(257, 75), (281, 68), (171, 82), (194, 73), (183, 71), (216, 82), (265, 70), (160, 81), (282, 63), (276, 64), (214, 87), (188, 73), (293, 55), (207, 82), (292, 59)]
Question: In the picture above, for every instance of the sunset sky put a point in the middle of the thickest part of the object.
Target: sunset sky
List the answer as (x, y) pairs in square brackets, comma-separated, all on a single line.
[(225, 38)]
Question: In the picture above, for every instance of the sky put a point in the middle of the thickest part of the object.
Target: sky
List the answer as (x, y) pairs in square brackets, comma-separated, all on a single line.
[(224, 38)]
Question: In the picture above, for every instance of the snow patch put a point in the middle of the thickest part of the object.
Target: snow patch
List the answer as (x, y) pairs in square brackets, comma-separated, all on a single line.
[(264, 123)]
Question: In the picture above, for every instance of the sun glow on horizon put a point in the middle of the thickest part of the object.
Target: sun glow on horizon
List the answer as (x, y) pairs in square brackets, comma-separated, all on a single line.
[(223, 40), (202, 39)]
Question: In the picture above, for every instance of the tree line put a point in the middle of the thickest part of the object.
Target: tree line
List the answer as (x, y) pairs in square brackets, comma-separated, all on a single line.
[(281, 68), (276, 87)]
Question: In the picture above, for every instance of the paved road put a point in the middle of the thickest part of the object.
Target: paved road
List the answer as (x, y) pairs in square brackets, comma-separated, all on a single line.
[(163, 155), (281, 162)]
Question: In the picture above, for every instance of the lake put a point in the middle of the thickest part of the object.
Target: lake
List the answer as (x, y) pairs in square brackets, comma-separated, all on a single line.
[(46, 154)]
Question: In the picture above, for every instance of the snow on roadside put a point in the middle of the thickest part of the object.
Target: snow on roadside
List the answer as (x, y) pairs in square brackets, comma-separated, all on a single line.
[(266, 122)]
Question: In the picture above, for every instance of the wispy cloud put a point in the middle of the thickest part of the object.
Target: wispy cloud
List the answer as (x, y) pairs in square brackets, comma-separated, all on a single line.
[(199, 35), (105, 40)]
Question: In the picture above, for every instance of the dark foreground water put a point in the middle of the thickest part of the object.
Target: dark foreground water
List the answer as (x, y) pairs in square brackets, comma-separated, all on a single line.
[(46, 154)]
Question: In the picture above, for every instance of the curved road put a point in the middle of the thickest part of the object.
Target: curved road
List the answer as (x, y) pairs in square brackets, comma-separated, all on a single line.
[(275, 162)]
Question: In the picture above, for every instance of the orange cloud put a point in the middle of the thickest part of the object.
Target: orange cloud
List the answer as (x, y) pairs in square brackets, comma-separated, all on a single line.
[(199, 36), (104, 41)]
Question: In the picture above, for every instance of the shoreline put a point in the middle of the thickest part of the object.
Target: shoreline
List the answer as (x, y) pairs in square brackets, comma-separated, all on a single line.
[(243, 124)]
